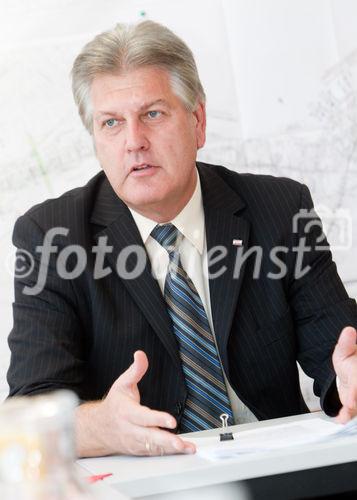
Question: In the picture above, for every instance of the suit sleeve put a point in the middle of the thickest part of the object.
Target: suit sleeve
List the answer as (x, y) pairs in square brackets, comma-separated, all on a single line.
[(320, 304), (46, 342)]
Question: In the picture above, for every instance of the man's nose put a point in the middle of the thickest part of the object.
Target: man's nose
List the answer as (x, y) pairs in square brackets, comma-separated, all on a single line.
[(136, 139)]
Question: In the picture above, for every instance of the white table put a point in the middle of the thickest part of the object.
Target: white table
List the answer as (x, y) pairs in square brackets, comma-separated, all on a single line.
[(139, 477)]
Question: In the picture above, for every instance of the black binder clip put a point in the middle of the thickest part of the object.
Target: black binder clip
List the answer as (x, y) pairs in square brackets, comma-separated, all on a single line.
[(225, 436)]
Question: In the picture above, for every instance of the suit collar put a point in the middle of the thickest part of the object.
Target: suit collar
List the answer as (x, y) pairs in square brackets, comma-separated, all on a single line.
[(217, 194), (108, 206)]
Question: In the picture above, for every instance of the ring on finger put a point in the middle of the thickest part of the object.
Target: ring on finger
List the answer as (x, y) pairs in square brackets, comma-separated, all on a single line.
[(161, 451), (147, 446)]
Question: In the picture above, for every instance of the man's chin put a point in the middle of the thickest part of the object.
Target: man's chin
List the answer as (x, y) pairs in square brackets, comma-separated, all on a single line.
[(146, 203)]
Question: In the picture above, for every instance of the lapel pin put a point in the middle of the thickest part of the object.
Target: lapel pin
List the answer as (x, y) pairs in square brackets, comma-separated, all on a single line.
[(237, 243)]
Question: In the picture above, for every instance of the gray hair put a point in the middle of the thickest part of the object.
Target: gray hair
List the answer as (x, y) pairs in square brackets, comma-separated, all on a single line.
[(127, 47)]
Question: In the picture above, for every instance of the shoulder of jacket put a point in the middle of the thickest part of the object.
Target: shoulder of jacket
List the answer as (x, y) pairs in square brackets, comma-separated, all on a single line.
[(248, 181), (62, 208)]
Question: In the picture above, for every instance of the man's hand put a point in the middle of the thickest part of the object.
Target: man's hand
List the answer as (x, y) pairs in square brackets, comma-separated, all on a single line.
[(121, 425), (345, 364)]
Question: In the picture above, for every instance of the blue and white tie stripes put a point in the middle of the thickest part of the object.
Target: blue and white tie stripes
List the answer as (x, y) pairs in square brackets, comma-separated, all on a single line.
[(207, 393)]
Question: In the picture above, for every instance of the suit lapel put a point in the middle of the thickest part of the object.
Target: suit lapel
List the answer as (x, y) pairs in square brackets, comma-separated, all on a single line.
[(121, 232), (223, 225)]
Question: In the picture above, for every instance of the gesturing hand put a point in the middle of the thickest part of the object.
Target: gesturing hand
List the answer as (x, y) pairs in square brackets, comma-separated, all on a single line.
[(124, 426), (345, 364)]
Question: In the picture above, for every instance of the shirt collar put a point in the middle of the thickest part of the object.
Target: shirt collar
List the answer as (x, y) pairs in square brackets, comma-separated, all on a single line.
[(190, 221)]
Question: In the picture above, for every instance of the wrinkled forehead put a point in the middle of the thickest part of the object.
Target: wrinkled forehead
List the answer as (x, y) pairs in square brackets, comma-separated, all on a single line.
[(134, 89)]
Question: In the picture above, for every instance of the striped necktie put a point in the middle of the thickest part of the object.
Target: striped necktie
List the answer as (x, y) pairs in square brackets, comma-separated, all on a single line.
[(206, 390)]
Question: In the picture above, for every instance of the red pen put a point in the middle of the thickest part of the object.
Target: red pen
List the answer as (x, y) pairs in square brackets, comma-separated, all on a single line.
[(99, 477)]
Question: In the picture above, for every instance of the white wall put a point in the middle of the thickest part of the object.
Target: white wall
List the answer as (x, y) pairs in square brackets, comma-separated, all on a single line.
[(281, 81)]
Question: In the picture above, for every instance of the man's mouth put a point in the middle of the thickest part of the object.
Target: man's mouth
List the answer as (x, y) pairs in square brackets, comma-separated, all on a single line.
[(141, 167)]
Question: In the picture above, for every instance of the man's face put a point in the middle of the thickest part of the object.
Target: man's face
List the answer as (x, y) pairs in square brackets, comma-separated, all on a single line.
[(146, 140)]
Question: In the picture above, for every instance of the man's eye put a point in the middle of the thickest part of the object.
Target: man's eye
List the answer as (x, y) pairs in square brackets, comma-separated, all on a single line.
[(111, 122), (154, 114)]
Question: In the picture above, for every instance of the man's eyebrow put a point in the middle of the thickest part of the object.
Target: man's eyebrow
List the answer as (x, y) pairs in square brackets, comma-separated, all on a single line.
[(152, 103), (146, 105)]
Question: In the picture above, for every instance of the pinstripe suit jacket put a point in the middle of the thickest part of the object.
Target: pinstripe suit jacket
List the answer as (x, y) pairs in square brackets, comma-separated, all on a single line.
[(81, 333)]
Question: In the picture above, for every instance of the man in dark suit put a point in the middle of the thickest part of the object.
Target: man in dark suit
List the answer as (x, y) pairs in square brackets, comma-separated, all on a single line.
[(216, 283)]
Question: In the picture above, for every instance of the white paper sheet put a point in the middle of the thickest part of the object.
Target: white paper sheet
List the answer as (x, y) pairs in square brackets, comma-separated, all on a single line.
[(274, 438)]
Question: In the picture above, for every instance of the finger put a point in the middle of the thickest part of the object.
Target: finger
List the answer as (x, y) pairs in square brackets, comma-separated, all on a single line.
[(158, 442), (344, 415), (157, 450), (135, 372), (189, 448), (346, 345), (154, 441), (145, 417), (352, 400)]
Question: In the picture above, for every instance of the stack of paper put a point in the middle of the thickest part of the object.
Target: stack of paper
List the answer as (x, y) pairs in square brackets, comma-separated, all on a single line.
[(274, 438)]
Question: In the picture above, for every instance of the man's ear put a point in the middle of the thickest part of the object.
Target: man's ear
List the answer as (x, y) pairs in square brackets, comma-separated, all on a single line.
[(200, 115)]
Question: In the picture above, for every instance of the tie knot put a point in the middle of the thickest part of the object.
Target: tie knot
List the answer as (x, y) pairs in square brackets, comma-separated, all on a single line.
[(166, 235)]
